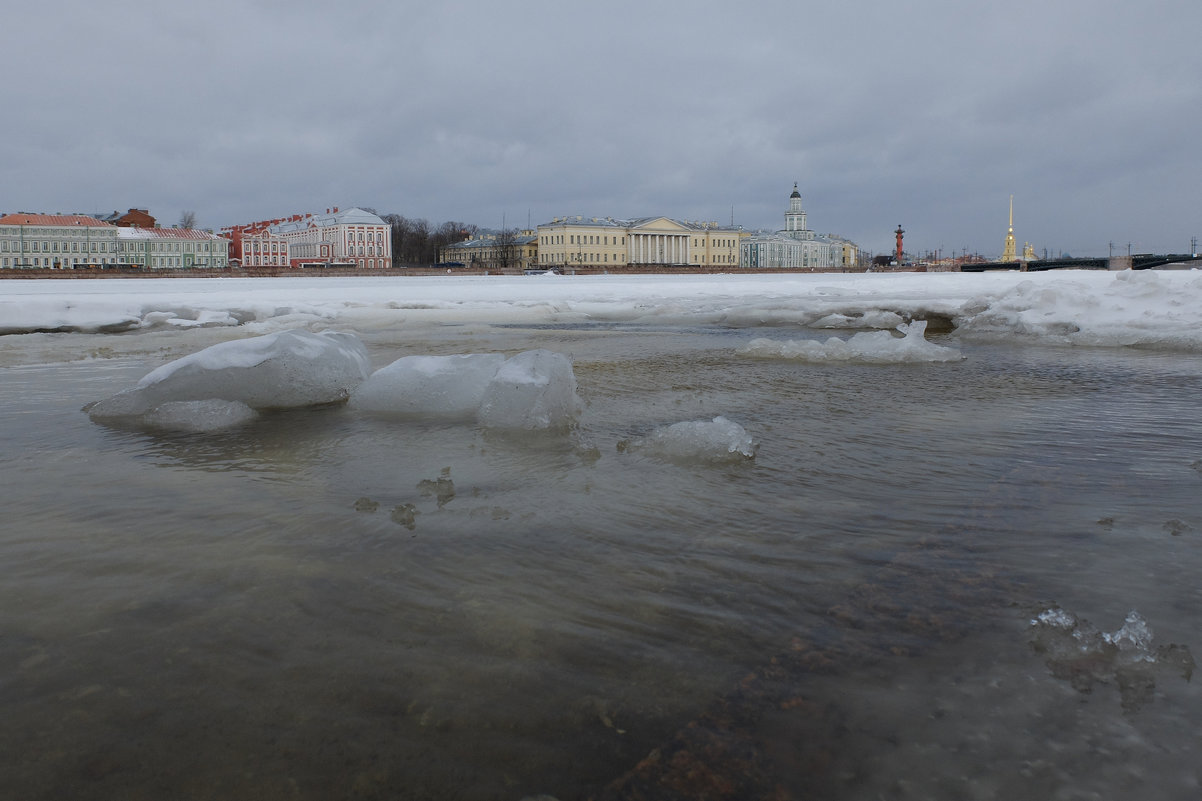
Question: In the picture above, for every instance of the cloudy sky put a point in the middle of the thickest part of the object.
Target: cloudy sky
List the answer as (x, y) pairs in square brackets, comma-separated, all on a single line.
[(928, 114)]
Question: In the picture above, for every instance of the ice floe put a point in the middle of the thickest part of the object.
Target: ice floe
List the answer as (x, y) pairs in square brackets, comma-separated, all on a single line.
[(450, 387), (717, 440), (287, 369), (533, 390)]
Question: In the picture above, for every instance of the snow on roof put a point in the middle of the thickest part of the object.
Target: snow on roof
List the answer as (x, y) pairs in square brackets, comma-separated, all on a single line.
[(164, 233), (636, 222), (22, 218), (355, 216)]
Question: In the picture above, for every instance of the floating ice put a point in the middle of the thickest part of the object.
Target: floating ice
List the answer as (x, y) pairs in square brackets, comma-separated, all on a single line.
[(1076, 651), (282, 370), (719, 440), (876, 347), (535, 389), (869, 318), (200, 416), (1134, 637), (438, 386)]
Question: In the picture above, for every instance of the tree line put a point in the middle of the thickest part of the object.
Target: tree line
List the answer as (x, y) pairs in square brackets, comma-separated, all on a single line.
[(416, 243)]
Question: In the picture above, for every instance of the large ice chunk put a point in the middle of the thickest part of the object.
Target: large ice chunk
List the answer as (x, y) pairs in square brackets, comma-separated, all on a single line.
[(201, 416), (876, 347), (437, 386), (535, 389), (719, 440), (281, 370)]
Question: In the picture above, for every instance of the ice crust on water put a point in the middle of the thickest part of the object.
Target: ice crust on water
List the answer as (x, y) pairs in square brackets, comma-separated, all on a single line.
[(286, 369), (450, 387), (533, 390), (717, 440), (875, 347)]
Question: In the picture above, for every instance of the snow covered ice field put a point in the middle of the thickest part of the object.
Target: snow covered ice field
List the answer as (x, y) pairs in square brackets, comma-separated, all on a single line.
[(913, 536)]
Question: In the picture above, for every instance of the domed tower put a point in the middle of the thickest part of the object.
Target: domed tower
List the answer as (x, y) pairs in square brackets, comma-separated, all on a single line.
[(795, 217)]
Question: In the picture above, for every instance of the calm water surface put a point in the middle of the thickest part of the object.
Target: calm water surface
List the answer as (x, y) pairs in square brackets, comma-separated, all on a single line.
[(328, 605)]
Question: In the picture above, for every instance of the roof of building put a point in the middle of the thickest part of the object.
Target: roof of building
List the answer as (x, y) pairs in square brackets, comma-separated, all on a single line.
[(355, 216), (610, 222), (164, 233), (492, 242), (24, 218)]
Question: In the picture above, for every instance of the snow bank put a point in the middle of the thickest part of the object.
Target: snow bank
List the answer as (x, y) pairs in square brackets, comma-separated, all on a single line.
[(450, 387), (1147, 308), (697, 441), (877, 347), (1160, 308), (533, 390), (282, 370)]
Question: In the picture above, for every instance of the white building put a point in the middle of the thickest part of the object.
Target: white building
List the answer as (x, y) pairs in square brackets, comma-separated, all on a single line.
[(353, 236), (796, 247)]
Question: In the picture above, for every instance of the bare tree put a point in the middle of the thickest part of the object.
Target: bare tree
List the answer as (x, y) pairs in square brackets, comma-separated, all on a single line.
[(187, 219)]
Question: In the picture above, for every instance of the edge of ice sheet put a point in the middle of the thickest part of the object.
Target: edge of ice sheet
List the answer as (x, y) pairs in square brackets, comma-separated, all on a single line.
[(1150, 308), (876, 347)]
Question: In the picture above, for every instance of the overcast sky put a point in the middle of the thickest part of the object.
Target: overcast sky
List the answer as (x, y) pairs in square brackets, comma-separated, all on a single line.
[(928, 114)]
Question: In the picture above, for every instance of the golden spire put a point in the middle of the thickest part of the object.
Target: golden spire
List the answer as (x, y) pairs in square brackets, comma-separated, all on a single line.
[(1009, 254)]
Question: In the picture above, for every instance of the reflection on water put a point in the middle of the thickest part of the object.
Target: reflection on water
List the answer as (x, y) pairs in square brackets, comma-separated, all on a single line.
[(327, 604)]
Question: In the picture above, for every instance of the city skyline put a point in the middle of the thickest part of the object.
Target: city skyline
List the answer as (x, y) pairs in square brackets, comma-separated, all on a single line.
[(929, 116)]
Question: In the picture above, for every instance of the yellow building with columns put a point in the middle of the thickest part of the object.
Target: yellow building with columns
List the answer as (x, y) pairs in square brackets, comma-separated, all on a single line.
[(601, 242)]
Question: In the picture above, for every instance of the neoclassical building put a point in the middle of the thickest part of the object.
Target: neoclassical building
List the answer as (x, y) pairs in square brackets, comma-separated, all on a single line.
[(66, 241), (595, 242), (494, 251), (55, 241), (351, 236), (172, 249), (796, 247)]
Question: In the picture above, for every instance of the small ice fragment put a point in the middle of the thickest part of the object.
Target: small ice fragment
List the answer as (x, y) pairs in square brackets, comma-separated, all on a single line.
[(718, 440), (1134, 636), (1055, 617)]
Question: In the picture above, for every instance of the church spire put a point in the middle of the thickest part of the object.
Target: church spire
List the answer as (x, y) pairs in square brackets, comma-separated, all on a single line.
[(1009, 253)]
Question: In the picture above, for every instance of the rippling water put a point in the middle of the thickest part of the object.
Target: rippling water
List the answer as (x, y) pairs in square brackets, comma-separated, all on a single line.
[(333, 605)]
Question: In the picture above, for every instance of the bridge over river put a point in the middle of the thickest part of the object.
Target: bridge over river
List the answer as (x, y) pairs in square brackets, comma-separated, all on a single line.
[(1143, 261)]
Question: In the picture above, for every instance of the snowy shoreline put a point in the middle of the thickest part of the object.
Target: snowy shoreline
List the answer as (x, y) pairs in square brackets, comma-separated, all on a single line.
[(1148, 308)]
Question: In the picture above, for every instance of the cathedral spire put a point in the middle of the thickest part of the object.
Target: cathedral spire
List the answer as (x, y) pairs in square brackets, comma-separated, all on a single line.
[(1009, 253)]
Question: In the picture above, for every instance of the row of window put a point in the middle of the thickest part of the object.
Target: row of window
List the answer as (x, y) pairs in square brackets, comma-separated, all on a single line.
[(377, 237), (54, 262), (42, 246)]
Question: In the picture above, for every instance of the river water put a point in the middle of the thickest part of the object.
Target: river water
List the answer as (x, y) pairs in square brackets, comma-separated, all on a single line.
[(328, 605)]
